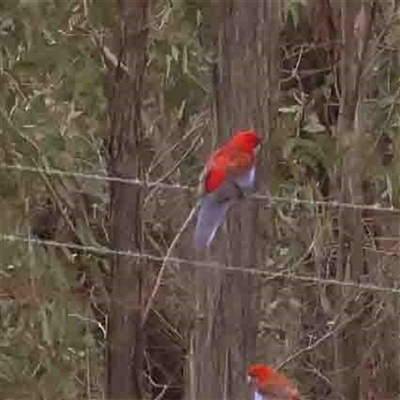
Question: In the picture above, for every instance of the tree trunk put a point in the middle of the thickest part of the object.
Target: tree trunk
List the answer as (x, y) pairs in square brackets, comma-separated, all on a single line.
[(352, 306), (125, 341), (246, 83)]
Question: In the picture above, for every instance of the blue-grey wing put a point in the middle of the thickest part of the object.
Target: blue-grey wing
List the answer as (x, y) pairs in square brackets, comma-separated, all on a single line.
[(214, 206), (246, 180), (235, 185)]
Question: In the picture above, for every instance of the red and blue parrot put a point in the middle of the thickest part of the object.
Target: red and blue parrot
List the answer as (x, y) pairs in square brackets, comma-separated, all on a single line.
[(229, 172), (269, 384)]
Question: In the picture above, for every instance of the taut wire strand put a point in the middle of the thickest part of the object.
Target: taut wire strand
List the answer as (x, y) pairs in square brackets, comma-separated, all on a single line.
[(177, 186), (201, 264)]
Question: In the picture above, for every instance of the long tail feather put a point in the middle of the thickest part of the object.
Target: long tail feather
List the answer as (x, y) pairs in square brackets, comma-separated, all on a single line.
[(211, 215)]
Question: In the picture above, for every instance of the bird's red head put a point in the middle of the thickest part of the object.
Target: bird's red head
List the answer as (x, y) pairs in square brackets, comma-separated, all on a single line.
[(259, 373), (246, 140)]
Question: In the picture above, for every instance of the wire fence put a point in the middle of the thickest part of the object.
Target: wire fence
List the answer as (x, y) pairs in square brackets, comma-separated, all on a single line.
[(176, 186), (202, 264), (261, 271)]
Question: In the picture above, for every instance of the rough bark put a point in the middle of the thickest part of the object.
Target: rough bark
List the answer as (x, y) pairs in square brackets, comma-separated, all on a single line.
[(125, 341), (352, 306), (245, 86)]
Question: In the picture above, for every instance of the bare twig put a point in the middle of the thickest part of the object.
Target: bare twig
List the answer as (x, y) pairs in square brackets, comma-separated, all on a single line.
[(165, 264), (321, 340)]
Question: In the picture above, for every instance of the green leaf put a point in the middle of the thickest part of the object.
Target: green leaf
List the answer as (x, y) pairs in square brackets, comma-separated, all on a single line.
[(46, 330), (313, 125), (294, 109), (175, 52), (185, 60), (199, 17)]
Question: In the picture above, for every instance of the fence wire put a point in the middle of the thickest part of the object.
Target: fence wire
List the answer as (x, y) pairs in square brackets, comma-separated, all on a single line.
[(179, 187), (202, 264), (187, 262)]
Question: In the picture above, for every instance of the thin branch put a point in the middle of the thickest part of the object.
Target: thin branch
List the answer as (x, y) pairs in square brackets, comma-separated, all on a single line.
[(165, 264)]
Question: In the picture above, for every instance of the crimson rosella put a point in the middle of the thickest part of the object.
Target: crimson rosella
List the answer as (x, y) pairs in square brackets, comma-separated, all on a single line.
[(269, 384), (228, 173)]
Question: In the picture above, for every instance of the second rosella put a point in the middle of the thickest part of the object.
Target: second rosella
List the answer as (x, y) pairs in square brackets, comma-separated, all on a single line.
[(269, 384), (229, 172)]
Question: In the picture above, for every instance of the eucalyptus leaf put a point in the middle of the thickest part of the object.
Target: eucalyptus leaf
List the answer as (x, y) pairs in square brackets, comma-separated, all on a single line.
[(175, 53), (294, 109), (313, 125)]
